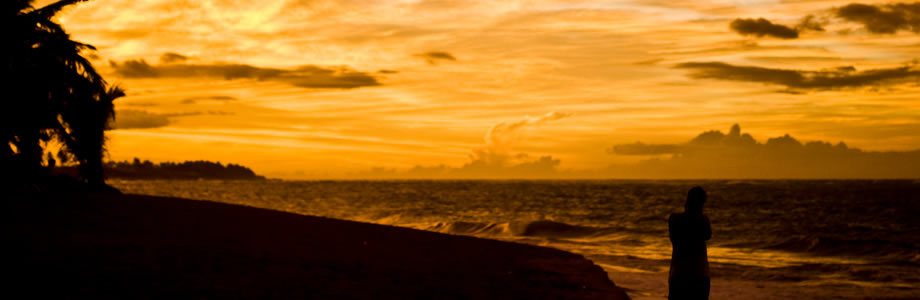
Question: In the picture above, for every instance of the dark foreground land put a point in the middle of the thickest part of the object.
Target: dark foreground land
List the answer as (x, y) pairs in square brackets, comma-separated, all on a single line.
[(127, 246)]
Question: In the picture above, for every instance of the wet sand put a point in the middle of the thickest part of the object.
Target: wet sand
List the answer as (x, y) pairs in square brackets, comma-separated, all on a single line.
[(129, 246)]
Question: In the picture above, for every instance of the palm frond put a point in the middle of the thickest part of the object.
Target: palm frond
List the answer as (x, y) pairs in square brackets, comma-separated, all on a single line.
[(52, 9), (17, 6)]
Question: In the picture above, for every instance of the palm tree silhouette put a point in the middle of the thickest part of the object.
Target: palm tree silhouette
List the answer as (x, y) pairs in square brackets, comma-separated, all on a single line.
[(88, 123), (53, 93)]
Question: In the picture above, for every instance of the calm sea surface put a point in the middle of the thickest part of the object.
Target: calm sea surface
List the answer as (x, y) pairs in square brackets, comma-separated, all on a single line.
[(771, 239)]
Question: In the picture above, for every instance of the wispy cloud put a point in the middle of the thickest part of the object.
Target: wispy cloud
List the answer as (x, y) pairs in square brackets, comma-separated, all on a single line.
[(305, 76), (216, 98), (434, 57)]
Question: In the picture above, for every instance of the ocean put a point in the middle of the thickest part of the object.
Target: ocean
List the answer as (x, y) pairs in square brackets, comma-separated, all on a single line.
[(772, 239)]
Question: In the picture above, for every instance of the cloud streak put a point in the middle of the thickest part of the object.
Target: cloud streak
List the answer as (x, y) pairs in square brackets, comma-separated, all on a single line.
[(501, 134), (305, 76), (139, 119), (217, 98), (171, 57), (762, 27), (839, 78), (142, 119), (433, 57)]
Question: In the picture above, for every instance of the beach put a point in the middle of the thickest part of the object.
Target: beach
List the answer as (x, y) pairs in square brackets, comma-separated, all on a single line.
[(108, 245)]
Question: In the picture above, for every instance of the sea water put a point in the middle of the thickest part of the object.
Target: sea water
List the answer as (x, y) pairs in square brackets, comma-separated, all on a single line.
[(776, 239)]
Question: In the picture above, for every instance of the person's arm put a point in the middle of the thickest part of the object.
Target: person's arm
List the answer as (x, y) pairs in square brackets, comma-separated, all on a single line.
[(707, 234), (671, 229)]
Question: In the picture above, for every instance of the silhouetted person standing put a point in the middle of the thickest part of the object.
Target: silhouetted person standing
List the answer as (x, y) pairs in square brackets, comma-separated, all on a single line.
[(689, 277)]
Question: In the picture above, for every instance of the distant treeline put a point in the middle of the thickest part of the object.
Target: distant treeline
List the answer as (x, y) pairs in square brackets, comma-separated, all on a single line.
[(199, 169)]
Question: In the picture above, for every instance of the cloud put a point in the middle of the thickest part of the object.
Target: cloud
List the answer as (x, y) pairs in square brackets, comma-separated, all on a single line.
[(883, 19), (170, 57), (139, 119), (842, 77), (495, 160), (812, 23), (501, 134), (644, 149), (138, 104), (543, 167), (714, 154), (134, 69), (217, 98), (762, 27), (434, 56), (305, 76), (877, 19), (142, 119), (498, 157)]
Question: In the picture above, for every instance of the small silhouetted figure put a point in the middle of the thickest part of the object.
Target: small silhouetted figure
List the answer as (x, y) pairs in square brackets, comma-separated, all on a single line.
[(689, 276)]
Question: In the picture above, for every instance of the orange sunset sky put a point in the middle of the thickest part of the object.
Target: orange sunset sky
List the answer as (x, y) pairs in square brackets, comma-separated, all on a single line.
[(364, 88)]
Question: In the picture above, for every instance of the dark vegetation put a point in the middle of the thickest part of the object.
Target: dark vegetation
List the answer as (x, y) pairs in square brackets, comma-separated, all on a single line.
[(53, 96), (185, 170), (57, 110)]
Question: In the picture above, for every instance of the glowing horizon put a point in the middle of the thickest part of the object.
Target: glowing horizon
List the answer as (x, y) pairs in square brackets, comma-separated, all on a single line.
[(335, 89)]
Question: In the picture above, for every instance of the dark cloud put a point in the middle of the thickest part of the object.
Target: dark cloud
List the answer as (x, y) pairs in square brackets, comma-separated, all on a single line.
[(883, 19), (843, 77), (714, 154), (170, 57), (801, 59), (812, 23), (434, 56), (317, 77), (134, 68), (137, 104), (762, 27), (218, 98), (385, 71), (139, 119), (142, 119), (305, 76)]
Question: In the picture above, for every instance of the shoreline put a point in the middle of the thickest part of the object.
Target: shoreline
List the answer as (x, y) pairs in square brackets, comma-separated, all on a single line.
[(113, 245)]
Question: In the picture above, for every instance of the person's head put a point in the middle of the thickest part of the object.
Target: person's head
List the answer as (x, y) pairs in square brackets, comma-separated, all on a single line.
[(695, 199)]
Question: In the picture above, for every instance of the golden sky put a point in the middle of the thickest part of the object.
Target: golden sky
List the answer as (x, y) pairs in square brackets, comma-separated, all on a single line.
[(334, 89)]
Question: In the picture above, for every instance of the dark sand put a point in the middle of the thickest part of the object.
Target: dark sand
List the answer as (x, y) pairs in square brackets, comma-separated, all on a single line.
[(127, 246)]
